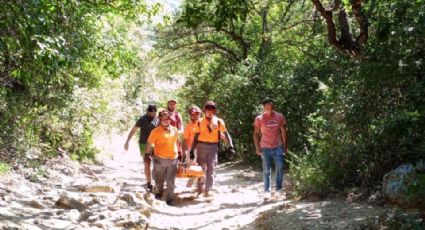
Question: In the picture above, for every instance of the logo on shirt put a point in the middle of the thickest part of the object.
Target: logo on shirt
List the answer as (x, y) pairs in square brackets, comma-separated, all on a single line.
[(272, 125)]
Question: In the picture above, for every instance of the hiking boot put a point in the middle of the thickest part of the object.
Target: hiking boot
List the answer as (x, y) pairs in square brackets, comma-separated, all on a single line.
[(207, 194), (199, 191), (158, 196), (170, 202)]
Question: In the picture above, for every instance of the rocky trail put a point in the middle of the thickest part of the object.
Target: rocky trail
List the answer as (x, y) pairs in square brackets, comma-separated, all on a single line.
[(113, 196)]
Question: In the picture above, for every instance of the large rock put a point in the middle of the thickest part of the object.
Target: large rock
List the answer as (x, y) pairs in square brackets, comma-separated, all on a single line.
[(404, 186), (70, 203), (36, 204), (97, 188)]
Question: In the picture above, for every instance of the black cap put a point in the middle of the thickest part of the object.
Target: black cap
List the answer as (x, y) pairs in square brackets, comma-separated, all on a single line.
[(267, 101), (151, 108)]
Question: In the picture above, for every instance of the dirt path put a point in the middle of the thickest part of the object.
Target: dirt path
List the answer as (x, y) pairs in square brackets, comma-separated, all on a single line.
[(112, 196)]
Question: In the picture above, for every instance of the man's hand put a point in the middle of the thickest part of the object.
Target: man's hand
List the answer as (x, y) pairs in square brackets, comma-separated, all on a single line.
[(231, 150), (149, 155), (192, 155), (126, 146), (258, 152)]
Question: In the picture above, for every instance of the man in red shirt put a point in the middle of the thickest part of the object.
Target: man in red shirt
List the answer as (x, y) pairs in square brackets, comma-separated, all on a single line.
[(176, 119), (271, 144)]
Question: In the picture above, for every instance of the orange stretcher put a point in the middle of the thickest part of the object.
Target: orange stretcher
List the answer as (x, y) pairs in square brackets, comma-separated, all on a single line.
[(193, 171)]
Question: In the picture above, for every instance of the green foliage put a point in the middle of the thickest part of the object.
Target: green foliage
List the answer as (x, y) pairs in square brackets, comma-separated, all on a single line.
[(4, 167), (350, 120), (416, 191), (55, 60), (220, 13)]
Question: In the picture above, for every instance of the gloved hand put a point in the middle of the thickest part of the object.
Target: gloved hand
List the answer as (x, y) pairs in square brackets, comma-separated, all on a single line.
[(232, 150), (179, 156), (192, 155)]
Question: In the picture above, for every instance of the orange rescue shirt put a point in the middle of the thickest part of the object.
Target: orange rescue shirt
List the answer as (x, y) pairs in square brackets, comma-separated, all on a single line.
[(189, 133), (164, 142), (205, 135)]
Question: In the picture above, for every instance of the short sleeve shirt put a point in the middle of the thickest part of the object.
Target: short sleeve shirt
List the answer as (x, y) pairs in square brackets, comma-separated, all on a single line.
[(176, 120), (270, 129), (208, 130), (164, 142), (146, 125), (189, 133)]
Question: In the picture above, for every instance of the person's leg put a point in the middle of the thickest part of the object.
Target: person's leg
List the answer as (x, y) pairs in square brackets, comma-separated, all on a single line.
[(148, 172), (211, 162), (146, 164), (201, 160), (171, 171), (266, 158), (159, 175), (278, 162)]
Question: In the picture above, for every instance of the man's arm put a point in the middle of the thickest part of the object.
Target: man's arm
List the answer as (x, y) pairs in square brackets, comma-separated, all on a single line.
[(148, 148), (228, 139), (257, 138), (284, 135), (180, 124), (194, 144), (130, 135)]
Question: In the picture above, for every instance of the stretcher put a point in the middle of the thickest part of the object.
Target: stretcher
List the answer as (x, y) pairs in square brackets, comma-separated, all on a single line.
[(192, 171)]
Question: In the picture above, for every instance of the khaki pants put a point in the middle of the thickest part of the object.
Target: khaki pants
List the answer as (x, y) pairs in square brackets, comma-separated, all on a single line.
[(165, 170), (207, 158)]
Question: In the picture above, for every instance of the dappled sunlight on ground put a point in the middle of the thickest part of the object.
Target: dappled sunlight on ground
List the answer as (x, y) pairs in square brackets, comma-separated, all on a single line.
[(236, 199)]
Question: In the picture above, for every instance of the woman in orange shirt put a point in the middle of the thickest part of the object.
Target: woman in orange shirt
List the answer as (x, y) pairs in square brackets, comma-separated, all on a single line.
[(164, 140)]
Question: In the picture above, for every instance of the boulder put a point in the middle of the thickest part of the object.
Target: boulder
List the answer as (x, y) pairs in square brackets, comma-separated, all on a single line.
[(97, 188), (36, 204), (404, 185), (70, 203)]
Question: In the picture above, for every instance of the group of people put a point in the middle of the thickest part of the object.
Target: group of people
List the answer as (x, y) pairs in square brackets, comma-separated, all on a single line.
[(159, 142)]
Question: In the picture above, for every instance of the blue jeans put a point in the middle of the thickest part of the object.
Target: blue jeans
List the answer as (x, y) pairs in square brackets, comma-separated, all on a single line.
[(268, 155)]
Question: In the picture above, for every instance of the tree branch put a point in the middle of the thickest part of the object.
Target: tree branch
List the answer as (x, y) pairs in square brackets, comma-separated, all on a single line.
[(345, 43)]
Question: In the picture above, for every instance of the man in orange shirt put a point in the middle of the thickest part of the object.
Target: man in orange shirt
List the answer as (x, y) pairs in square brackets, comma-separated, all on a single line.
[(189, 134), (190, 129), (206, 141), (164, 140)]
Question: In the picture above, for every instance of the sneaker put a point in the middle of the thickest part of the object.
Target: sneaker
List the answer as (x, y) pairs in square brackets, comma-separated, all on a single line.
[(170, 202), (207, 194), (199, 191), (149, 186), (158, 196), (279, 194), (267, 195)]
